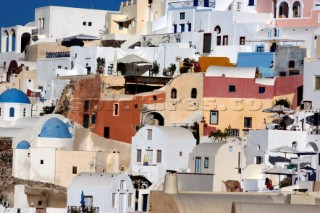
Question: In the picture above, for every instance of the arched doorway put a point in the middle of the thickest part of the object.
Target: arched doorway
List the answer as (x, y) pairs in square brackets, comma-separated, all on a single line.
[(296, 9), (283, 10), (25, 41), (12, 69), (13, 40), (5, 43), (154, 118)]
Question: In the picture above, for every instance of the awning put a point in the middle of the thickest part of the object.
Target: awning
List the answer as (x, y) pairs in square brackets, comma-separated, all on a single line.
[(132, 58), (80, 37), (124, 20)]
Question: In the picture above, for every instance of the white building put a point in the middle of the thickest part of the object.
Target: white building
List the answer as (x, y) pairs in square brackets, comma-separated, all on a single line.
[(106, 193), (220, 159), (156, 149), (311, 82)]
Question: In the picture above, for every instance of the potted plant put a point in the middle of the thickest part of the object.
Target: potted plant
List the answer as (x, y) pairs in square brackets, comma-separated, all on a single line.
[(101, 63)]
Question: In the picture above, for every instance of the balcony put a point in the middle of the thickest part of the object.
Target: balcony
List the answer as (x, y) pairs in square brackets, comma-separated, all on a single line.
[(183, 4)]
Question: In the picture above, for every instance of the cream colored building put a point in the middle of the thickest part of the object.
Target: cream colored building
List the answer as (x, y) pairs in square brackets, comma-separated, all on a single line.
[(184, 99)]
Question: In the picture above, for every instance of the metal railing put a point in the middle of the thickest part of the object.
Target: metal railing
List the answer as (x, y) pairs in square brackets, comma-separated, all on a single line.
[(181, 4), (80, 209)]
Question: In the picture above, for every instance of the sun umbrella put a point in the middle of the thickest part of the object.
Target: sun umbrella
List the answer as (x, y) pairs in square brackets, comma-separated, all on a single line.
[(278, 109), (279, 171), (82, 199), (284, 149)]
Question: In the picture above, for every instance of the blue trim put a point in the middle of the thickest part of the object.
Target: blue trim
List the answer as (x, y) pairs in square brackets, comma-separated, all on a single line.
[(11, 112)]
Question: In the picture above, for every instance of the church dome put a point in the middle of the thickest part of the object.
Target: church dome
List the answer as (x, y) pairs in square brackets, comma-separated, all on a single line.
[(55, 128), (23, 145), (14, 96)]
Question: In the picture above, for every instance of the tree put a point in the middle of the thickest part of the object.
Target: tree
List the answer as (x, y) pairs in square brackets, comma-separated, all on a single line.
[(155, 68), (283, 102), (101, 64), (219, 135)]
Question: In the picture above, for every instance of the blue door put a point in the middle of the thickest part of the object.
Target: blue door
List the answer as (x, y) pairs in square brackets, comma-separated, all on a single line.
[(198, 165)]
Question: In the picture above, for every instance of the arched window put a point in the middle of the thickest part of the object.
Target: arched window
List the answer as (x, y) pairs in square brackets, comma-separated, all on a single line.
[(217, 29), (283, 10), (24, 112), (174, 93), (11, 112), (296, 10), (294, 145), (194, 93)]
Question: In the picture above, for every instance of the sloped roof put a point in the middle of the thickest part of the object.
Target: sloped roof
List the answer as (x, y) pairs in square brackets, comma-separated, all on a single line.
[(208, 148), (231, 72)]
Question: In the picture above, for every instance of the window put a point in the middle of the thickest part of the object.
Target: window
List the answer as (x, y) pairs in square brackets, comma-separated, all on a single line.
[(262, 90), (149, 134), (120, 25), (251, 3), (217, 29), (74, 170), (174, 28), (283, 73), (106, 132), (122, 184), (41, 162), (182, 15), (291, 64), (232, 88), (130, 196), (11, 112), (180, 154), (84, 23), (247, 122), (258, 160), (139, 154), (182, 28), (260, 48), (194, 93), (39, 202), (206, 163), (0, 110), (242, 40), (317, 83), (230, 148), (42, 23), (218, 40), (214, 117), (207, 43), (159, 156), (93, 118), (174, 93), (293, 72), (189, 27), (113, 200), (116, 109), (294, 145), (235, 132), (86, 105), (225, 40), (90, 24)]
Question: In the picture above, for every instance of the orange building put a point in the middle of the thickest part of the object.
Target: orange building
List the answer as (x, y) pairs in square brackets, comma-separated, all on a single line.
[(206, 61)]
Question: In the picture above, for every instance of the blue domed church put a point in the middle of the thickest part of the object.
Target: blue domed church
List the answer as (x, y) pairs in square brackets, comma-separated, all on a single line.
[(14, 104)]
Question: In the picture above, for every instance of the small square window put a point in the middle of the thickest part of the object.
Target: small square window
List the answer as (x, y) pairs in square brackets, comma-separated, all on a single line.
[(180, 154), (232, 88), (230, 148), (258, 160), (89, 24), (41, 161), (235, 132), (242, 40), (84, 23), (182, 15), (248, 122), (283, 73), (291, 64), (262, 90), (39, 202), (74, 170)]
